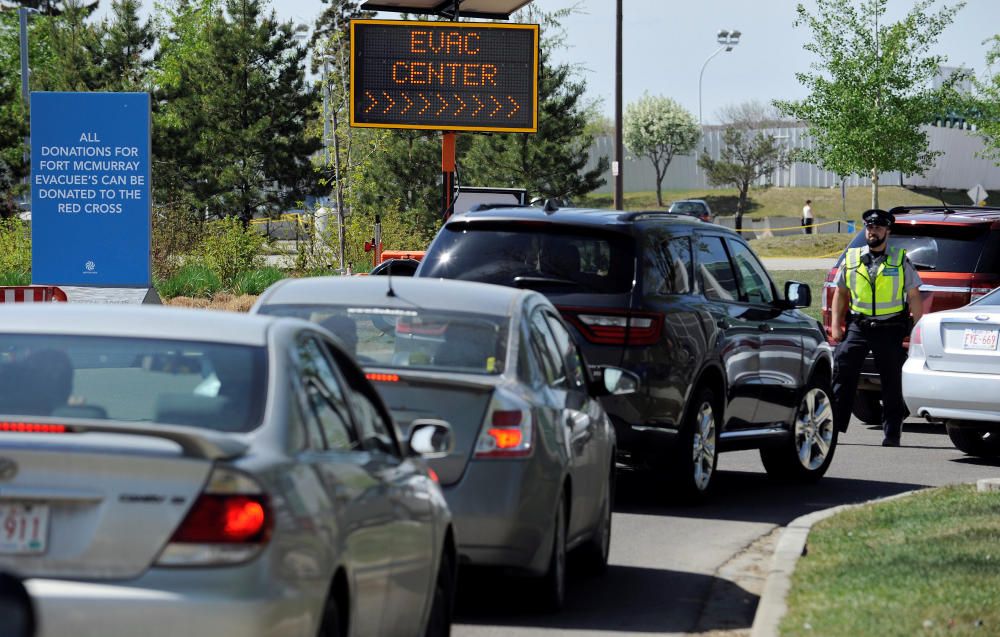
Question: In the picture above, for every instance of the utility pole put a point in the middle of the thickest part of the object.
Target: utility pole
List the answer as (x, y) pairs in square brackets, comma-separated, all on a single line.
[(618, 167), (22, 14)]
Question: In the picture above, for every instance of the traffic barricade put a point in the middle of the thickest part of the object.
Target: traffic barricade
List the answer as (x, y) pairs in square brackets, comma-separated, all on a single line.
[(31, 294)]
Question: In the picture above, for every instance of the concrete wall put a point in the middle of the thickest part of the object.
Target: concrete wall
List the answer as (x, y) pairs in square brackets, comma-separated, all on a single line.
[(958, 167)]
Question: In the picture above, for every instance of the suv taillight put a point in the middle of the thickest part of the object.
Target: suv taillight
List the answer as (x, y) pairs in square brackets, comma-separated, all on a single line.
[(508, 431), (611, 328), (230, 522)]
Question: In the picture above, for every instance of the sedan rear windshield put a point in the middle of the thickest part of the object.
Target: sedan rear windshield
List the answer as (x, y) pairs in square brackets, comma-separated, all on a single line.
[(530, 256), (206, 385), (943, 248), (415, 339)]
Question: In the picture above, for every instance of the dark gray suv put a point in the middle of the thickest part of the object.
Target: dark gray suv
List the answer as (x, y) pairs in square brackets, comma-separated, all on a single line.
[(726, 362)]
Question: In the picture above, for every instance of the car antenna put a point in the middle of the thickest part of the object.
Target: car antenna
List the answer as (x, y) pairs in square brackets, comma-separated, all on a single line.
[(388, 275)]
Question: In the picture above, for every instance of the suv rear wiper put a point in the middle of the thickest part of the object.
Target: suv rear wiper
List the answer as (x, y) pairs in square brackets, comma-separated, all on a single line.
[(545, 281)]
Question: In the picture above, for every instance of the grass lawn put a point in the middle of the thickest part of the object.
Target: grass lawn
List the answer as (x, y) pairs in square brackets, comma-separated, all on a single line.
[(921, 565), (806, 245), (788, 202), (814, 278)]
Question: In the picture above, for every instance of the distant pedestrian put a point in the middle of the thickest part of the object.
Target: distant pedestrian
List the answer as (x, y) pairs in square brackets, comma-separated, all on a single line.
[(807, 217)]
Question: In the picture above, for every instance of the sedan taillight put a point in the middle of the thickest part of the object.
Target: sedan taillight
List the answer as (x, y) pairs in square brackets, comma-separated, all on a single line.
[(507, 433), (229, 523)]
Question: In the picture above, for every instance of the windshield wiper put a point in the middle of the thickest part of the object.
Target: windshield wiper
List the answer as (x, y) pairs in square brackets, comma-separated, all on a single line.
[(546, 281)]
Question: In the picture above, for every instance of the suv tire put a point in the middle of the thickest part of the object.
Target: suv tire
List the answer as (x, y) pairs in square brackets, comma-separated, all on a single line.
[(969, 439), (806, 454), (694, 458), (867, 407)]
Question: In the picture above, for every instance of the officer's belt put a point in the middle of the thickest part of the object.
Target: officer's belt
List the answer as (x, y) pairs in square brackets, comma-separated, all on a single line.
[(896, 320)]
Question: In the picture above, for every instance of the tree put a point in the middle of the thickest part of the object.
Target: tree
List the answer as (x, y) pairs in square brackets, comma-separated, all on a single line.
[(986, 109), (659, 128), (124, 44), (748, 153), (552, 161), (870, 88), (234, 109)]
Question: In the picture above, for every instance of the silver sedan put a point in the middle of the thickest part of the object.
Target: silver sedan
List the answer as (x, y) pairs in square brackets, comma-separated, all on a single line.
[(953, 372), (185, 472), (532, 472)]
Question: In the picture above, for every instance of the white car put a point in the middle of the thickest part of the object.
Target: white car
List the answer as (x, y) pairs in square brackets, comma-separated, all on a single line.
[(187, 472), (952, 374)]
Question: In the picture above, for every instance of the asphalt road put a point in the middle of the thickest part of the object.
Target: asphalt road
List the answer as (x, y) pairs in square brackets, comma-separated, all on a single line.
[(668, 562)]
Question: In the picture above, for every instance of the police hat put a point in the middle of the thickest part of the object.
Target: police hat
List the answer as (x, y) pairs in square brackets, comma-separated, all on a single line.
[(877, 217)]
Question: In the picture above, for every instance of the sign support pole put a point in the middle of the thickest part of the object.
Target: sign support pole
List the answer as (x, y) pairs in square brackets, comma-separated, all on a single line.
[(448, 163)]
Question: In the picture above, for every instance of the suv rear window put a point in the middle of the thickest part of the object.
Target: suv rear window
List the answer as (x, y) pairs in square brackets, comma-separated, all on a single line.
[(553, 256), (944, 248)]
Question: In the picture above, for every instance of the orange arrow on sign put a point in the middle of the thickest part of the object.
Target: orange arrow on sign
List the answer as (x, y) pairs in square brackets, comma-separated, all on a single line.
[(392, 102), (444, 105), (374, 101), (481, 105), (460, 108), (499, 106), (516, 106), (427, 104), (409, 103)]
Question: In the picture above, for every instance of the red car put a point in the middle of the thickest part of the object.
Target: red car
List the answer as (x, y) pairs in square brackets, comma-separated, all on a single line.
[(956, 250)]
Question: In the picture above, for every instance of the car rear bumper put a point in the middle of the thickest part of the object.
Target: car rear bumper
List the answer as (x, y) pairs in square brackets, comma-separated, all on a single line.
[(503, 511), (950, 395), (85, 609)]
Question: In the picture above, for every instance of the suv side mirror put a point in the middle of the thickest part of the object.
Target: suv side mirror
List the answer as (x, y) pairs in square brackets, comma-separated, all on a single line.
[(431, 438), (798, 294), (612, 381)]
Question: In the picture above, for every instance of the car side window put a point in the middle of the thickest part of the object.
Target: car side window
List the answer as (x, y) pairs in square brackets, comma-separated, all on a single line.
[(668, 266), (575, 373), (374, 425), (754, 282), (303, 418), (715, 272), (325, 397), (547, 351)]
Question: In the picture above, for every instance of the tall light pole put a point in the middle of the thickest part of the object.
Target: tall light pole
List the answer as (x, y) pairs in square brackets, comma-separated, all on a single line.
[(727, 40), (22, 14), (618, 167)]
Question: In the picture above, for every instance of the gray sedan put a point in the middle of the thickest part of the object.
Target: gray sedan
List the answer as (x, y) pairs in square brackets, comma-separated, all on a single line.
[(953, 372), (532, 471), (185, 472)]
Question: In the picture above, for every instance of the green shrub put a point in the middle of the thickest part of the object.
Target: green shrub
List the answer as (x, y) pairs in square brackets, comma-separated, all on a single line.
[(15, 251), (256, 281), (15, 278), (176, 231), (229, 249), (192, 279)]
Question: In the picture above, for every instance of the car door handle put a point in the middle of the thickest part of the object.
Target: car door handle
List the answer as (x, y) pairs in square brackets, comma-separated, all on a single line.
[(765, 327)]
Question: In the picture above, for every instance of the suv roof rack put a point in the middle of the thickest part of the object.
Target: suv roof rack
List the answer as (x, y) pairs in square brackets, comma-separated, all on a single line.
[(946, 208), (494, 206), (639, 214)]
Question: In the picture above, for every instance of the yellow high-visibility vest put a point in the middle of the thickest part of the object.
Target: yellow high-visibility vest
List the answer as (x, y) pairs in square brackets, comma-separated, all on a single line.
[(883, 296)]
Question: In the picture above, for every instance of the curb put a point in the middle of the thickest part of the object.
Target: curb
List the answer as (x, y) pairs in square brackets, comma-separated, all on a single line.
[(791, 545)]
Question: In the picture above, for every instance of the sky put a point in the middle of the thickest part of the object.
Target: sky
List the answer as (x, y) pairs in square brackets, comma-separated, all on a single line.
[(666, 44)]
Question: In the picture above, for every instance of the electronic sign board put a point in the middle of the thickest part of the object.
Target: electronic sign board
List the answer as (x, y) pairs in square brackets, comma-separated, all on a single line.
[(90, 189), (444, 75)]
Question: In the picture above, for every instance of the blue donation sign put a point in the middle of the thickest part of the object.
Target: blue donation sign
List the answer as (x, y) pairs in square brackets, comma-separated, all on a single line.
[(90, 189)]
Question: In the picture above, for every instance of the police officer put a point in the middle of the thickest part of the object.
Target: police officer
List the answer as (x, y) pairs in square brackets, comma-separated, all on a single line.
[(876, 283)]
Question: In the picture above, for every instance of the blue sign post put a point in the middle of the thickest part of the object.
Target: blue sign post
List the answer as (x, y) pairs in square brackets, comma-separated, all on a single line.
[(90, 189)]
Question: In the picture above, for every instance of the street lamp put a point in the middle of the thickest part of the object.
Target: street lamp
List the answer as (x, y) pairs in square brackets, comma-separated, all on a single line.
[(727, 40), (22, 15)]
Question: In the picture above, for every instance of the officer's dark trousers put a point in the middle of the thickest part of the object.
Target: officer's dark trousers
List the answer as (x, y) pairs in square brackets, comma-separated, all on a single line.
[(886, 344)]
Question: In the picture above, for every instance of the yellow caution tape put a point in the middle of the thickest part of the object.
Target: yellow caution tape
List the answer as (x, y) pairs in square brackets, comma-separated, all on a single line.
[(812, 225)]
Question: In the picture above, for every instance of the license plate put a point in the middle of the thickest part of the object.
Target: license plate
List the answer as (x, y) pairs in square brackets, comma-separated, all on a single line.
[(23, 528), (980, 339)]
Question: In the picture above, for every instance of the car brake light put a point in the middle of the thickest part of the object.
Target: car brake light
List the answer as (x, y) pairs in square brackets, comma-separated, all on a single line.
[(915, 336), (32, 428), (382, 378), (228, 523), (507, 434), (605, 328)]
